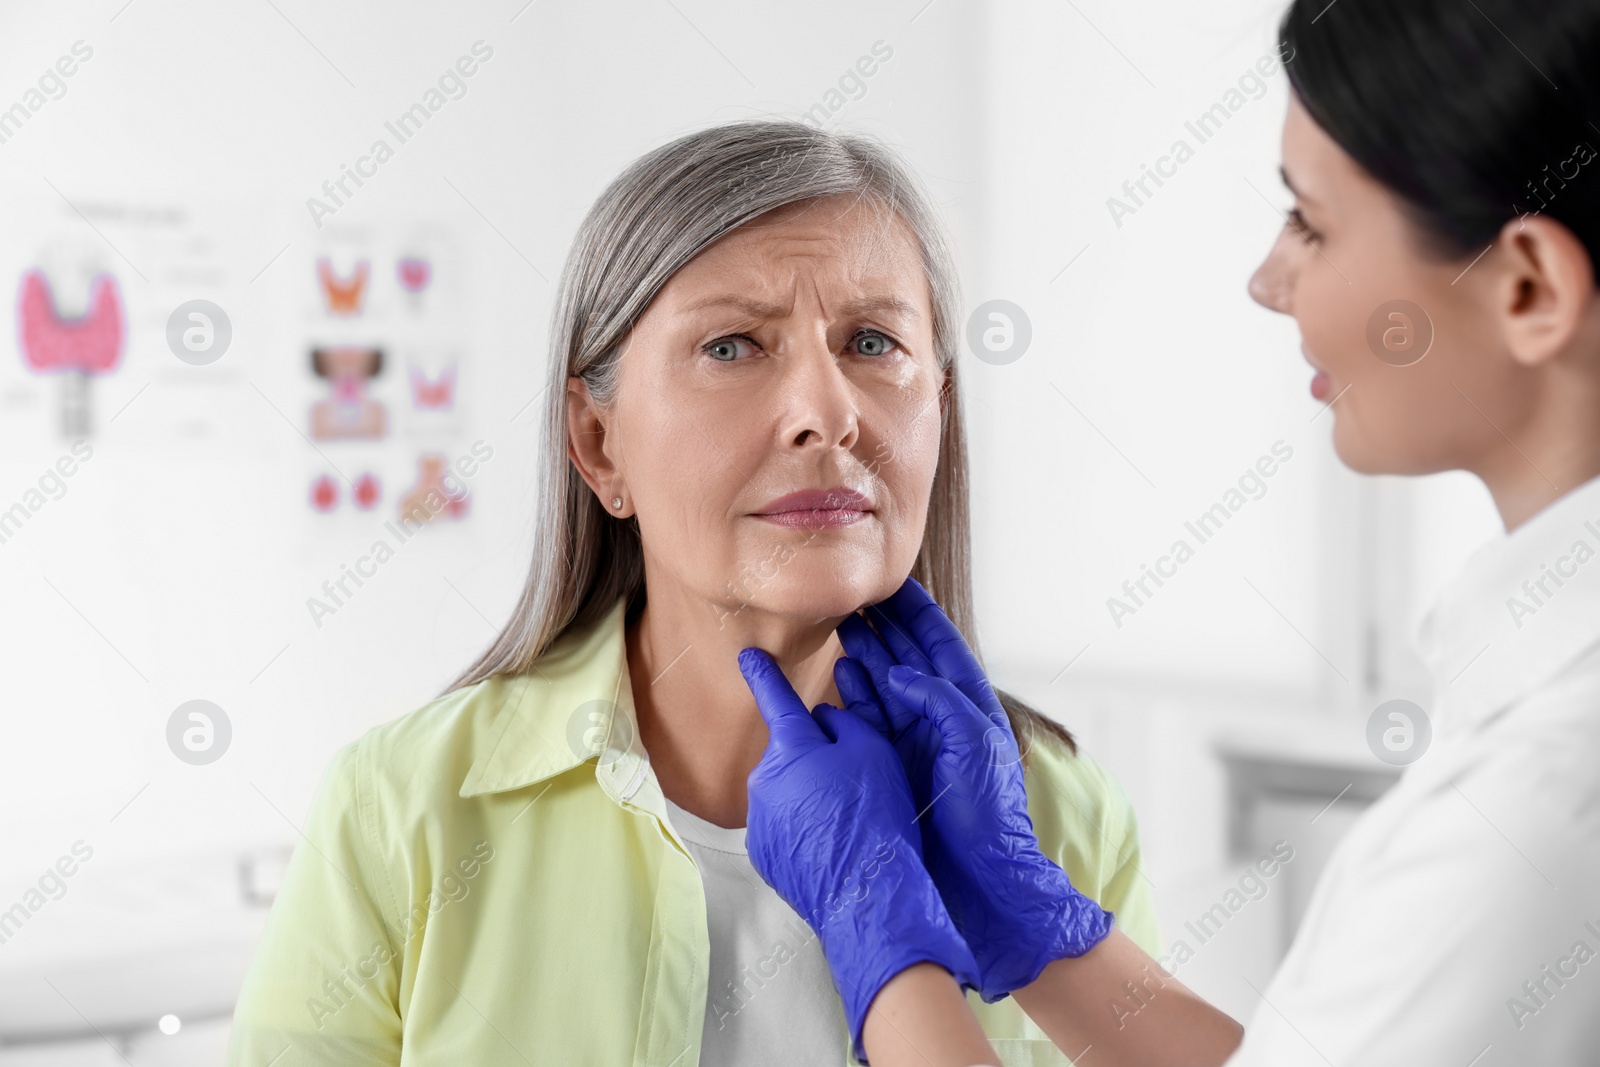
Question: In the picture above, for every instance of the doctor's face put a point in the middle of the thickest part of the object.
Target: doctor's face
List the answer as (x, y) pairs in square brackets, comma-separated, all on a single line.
[(1401, 340), (776, 426)]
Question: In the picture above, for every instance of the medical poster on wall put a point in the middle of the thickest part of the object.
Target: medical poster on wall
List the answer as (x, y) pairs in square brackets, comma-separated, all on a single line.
[(91, 286), (384, 360), (330, 368)]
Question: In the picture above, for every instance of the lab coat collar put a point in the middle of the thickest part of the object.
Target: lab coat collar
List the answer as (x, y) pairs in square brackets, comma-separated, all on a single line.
[(573, 705), (1525, 606)]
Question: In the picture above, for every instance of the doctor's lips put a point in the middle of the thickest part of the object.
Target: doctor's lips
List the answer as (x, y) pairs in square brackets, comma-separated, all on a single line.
[(817, 508), (1321, 384)]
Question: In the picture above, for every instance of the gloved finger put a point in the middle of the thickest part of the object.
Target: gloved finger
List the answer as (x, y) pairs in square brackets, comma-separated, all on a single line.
[(896, 634), (824, 716), (790, 726), (859, 695), (844, 726), (913, 611), (866, 648), (962, 725)]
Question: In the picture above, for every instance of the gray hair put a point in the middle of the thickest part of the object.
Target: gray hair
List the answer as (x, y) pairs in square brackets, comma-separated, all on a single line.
[(661, 212)]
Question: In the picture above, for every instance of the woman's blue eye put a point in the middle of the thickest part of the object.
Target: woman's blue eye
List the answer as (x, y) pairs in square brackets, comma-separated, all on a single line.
[(872, 343), (725, 349), (866, 343)]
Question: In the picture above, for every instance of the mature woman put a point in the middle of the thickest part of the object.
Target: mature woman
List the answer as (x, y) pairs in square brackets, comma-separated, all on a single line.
[(753, 430)]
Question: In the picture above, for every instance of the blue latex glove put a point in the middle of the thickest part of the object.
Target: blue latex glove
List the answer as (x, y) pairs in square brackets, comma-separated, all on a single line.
[(1016, 908), (832, 829)]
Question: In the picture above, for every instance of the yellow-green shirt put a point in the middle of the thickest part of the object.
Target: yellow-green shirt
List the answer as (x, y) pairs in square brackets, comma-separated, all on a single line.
[(482, 883)]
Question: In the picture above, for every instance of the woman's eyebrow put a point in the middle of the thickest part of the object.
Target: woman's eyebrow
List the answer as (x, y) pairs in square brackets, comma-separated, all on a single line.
[(754, 308), (758, 309), (880, 303)]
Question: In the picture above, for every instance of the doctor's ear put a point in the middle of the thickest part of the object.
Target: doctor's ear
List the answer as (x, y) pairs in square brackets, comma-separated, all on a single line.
[(589, 443), (1543, 290)]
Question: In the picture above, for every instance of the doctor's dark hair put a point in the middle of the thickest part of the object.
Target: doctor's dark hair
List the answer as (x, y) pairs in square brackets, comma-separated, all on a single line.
[(1474, 113), (661, 212)]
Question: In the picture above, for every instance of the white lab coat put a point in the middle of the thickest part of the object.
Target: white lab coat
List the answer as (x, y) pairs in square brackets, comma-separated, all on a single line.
[(1458, 922)]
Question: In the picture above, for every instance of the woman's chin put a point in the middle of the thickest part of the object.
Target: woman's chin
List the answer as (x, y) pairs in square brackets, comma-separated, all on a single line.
[(826, 598)]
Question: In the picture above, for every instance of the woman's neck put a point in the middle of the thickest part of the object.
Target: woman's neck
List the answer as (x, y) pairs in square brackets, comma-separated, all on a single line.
[(697, 718)]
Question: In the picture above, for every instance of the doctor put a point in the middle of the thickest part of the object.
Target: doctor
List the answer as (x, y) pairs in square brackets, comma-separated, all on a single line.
[(1440, 263), (1443, 158)]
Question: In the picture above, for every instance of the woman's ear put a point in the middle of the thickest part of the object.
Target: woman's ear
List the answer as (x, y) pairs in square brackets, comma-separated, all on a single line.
[(586, 445), (1545, 289)]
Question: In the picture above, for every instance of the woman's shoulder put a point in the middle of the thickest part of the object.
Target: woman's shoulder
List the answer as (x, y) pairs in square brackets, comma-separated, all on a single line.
[(424, 755), (505, 731), (1069, 786), (1085, 822)]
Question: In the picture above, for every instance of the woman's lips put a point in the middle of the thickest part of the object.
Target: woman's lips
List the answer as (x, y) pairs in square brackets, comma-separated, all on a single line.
[(816, 518), (818, 508)]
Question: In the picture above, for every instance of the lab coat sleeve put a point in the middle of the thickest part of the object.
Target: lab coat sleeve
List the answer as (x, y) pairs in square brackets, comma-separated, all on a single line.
[(324, 985)]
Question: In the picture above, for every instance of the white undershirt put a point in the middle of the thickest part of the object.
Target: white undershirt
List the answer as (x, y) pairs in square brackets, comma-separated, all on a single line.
[(770, 998)]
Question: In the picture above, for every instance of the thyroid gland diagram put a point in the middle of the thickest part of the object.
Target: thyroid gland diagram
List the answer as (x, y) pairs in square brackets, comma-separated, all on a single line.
[(433, 394), (414, 272), (344, 295), (74, 348), (429, 498), (350, 412), (364, 492)]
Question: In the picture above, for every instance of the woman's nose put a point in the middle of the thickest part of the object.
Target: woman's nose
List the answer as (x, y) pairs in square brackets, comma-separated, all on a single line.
[(820, 399), (1273, 282)]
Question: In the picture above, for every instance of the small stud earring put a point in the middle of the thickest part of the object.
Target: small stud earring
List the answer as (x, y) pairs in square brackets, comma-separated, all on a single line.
[(616, 502)]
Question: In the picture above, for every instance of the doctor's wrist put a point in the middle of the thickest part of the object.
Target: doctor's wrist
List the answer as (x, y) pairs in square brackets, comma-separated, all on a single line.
[(883, 925), (1018, 923)]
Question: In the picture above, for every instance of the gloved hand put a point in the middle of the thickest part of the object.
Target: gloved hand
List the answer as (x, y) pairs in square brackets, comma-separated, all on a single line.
[(832, 829), (1015, 907)]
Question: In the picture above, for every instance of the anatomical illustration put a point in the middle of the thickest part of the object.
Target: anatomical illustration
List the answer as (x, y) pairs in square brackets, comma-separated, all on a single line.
[(365, 492), (414, 272), (428, 498), (344, 295), (350, 412), (437, 393), (73, 346)]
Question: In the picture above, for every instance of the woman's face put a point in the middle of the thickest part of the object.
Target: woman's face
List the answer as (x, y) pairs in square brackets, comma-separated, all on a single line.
[(1405, 344), (795, 354)]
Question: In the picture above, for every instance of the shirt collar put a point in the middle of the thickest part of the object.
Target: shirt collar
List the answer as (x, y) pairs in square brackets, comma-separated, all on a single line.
[(1524, 606), (573, 705)]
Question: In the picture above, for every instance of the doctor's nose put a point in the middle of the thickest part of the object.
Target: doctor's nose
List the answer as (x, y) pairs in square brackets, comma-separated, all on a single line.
[(1272, 284)]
